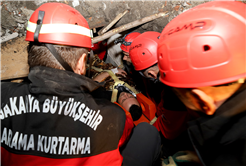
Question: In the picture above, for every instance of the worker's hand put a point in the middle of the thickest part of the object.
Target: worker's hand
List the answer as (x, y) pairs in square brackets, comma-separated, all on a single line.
[(119, 71), (122, 72), (186, 156), (168, 162), (182, 157)]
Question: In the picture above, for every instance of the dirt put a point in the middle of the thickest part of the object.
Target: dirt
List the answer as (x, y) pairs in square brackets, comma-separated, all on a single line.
[(14, 59)]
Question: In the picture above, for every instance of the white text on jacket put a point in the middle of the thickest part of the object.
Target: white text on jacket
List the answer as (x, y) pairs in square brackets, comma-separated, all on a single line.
[(53, 144), (74, 109)]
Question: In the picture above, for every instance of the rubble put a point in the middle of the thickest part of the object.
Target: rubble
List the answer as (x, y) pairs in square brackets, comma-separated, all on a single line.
[(15, 14), (9, 37), (13, 21)]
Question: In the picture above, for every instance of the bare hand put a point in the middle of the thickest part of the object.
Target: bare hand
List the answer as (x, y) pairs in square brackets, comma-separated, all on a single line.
[(121, 72)]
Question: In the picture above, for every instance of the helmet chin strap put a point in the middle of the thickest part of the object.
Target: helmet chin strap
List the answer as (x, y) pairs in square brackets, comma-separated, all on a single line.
[(39, 25), (123, 41), (58, 57), (150, 78), (49, 46)]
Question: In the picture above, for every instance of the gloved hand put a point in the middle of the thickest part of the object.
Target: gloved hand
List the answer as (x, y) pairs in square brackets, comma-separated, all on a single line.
[(186, 156), (181, 158), (169, 162)]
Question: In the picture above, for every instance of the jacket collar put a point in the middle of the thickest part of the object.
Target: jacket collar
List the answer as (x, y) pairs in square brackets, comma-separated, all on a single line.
[(209, 133), (54, 81)]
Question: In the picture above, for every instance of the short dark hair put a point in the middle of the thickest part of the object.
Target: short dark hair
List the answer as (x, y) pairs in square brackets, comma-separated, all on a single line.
[(39, 55), (135, 111)]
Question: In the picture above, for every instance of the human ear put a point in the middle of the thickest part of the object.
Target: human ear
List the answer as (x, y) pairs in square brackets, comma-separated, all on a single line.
[(206, 103), (81, 65)]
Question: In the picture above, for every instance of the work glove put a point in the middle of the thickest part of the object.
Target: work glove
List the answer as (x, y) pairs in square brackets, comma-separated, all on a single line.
[(168, 162), (182, 158), (186, 156)]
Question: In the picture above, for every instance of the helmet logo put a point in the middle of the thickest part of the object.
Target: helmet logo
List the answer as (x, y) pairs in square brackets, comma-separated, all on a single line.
[(191, 26), (136, 46)]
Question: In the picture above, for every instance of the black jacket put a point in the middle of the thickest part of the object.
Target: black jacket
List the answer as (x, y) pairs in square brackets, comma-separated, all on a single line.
[(220, 139), (57, 118)]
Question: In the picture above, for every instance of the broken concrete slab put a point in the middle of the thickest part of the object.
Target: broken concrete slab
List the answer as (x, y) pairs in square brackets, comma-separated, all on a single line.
[(14, 59)]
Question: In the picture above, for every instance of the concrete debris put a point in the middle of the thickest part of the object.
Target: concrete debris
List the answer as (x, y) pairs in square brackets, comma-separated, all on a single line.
[(40, 2), (13, 21), (7, 21), (9, 37), (15, 14), (2, 32), (27, 12), (184, 4)]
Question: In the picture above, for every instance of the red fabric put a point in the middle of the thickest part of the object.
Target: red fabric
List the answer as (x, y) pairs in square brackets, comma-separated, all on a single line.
[(128, 127), (172, 123), (127, 131), (100, 49), (112, 158)]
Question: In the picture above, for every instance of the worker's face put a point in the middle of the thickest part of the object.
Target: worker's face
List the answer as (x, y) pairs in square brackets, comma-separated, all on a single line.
[(188, 99), (126, 100), (152, 72), (126, 57)]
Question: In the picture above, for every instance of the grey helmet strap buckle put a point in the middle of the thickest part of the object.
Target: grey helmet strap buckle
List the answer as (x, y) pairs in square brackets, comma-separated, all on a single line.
[(49, 46)]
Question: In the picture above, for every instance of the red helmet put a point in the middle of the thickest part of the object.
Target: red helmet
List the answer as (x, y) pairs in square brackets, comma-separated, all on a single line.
[(61, 24), (204, 46), (127, 40), (143, 50), (100, 49)]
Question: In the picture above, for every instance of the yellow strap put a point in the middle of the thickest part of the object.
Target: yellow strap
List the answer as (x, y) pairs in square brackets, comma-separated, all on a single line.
[(97, 69), (116, 82), (153, 120), (131, 88), (114, 95), (112, 75)]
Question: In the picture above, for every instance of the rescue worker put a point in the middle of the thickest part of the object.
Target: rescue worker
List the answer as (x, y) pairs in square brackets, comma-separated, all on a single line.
[(171, 112), (52, 119), (114, 51), (107, 75), (201, 54), (126, 42), (143, 55)]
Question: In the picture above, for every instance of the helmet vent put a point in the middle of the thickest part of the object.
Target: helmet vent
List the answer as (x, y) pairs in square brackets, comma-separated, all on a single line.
[(164, 74), (206, 48), (143, 53)]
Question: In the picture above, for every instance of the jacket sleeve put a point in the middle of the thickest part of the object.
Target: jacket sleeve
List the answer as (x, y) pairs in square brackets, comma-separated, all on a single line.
[(172, 115), (127, 131)]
